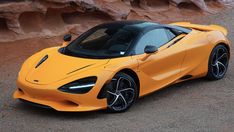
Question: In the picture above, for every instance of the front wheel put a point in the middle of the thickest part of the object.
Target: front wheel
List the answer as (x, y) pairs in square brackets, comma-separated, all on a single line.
[(122, 92), (218, 63)]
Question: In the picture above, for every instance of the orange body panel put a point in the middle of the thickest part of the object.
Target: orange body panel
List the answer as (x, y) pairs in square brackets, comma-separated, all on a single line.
[(189, 56)]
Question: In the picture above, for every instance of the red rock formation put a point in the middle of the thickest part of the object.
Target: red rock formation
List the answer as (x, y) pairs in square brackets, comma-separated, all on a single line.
[(25, 19)]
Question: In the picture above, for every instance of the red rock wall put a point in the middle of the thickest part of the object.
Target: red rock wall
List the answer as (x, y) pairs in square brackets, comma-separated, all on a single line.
[(21, 19)]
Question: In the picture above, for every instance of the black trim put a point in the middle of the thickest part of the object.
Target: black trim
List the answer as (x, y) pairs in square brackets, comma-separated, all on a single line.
[(80, 69), (178, 28), (67, 38), (149, 49), (175, 41), (186, 77), (103, 92), (35, 104), (42, 60)]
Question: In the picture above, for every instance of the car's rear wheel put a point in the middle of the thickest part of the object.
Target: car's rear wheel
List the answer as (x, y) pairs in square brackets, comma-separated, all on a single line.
[(218, 63), (122, 92)]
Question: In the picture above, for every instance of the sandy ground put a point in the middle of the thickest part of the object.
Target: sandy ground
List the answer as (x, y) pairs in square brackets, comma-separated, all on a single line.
[(197, 105)]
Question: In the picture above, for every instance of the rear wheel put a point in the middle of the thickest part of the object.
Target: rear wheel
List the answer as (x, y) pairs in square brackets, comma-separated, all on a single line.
[(122, 92), (218, 63)]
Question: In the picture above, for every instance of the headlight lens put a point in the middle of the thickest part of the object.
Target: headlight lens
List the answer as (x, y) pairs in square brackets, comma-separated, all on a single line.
[(80, 86)]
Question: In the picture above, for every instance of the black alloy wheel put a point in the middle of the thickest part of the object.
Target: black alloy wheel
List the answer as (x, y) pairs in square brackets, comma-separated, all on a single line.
[(218, 63), (122, 92)]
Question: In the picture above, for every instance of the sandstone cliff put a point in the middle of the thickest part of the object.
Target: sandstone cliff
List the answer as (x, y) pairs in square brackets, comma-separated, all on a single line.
[(21, 19)]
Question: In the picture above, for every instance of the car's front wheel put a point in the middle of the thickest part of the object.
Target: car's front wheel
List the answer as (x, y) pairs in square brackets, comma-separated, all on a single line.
[(218, 63), (122, 92)]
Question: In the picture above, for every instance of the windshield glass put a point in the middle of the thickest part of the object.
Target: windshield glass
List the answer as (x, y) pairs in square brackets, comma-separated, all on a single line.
[(101, 42)]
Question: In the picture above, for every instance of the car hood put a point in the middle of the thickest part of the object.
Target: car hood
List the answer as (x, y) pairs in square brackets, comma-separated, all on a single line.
[(58, 66)]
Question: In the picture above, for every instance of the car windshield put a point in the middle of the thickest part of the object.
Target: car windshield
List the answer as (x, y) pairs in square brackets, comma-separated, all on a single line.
[(101, 42)]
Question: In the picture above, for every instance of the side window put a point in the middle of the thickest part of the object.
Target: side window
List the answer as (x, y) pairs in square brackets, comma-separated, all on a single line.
[(157, 37), (170, 34)]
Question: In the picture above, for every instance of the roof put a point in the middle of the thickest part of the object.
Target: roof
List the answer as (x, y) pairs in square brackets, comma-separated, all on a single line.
[(142, 26), (137, 24)]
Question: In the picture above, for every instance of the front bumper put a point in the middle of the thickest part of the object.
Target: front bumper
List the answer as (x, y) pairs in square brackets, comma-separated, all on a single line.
[(50, 96), (59, 105)]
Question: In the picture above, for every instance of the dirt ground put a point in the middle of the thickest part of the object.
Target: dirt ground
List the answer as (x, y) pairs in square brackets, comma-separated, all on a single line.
[(197, 105)]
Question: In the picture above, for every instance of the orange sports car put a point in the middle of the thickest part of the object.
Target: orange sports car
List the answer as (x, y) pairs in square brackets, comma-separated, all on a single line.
[(113, 64)]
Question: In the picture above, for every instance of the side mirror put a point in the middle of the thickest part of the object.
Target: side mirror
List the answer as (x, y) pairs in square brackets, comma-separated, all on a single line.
[(67, 38), (149, 49)]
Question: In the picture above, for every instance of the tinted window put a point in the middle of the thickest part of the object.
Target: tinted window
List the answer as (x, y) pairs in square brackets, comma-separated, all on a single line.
[(170, 34), (157, 37), (101, 42)]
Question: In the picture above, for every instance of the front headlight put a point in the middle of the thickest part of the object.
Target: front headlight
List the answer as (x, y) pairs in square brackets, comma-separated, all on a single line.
[(80, 86)]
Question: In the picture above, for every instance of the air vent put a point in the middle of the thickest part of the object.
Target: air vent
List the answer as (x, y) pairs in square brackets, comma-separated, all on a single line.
[(186, 77), (42, 60)]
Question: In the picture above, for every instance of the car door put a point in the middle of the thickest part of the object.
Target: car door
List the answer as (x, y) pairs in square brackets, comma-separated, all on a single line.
[(163, 67)]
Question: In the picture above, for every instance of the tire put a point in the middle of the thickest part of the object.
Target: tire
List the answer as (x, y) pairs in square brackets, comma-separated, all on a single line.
[(218, 63), (122, 92)]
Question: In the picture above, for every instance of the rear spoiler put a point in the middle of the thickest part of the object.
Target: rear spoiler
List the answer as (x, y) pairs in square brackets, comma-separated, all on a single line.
[(202, 27)]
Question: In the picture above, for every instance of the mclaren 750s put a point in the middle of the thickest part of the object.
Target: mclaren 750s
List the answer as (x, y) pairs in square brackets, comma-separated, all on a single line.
[(113, 64)]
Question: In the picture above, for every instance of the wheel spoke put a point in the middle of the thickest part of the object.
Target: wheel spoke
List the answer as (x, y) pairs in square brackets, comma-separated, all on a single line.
[(224, 67), (214, 65), (223, 55), (217, 66), (129, 82), (220, 63), (117, 85), (117, 97), (119, 82), (127, 89), (112, 93), (125, 102)]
